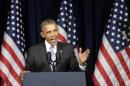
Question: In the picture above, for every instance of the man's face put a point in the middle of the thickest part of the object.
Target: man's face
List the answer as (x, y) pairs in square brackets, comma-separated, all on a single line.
[(50, 33)]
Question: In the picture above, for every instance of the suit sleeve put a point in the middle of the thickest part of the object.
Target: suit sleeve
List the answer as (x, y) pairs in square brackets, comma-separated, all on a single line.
[(29, 61), (74, 65)]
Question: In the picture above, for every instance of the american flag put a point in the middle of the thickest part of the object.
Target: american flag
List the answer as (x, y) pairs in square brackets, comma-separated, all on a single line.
[(13, 47), (67, 24), (113, 64)]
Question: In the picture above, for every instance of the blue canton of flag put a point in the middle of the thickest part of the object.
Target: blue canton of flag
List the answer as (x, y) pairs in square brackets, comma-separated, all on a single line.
[(15, 27), (66, 20), (118, 28), (13, 47)]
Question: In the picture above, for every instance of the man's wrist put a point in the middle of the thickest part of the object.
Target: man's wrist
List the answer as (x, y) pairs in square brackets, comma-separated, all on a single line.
[(83, 64)]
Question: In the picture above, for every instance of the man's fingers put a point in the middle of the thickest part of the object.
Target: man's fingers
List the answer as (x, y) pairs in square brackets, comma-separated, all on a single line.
[(23, 73)]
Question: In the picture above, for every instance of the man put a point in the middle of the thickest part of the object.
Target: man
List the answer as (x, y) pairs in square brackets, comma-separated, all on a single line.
[(39, 60)]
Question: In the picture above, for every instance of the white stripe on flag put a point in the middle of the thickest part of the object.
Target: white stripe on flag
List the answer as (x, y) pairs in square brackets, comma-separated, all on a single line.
[(127, 59)]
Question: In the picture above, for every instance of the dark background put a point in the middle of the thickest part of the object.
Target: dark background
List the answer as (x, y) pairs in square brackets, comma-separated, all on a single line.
[(91, 17)]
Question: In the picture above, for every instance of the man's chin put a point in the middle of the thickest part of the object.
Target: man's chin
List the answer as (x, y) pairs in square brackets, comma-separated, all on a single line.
[(54, 43)]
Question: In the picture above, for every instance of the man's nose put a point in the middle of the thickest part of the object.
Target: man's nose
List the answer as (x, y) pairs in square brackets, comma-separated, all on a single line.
[(52, 33)]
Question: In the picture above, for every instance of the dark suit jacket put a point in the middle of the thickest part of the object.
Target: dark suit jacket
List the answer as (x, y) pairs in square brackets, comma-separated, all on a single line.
[(37, 59)]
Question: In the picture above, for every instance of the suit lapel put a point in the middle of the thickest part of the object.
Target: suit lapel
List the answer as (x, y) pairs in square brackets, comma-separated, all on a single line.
[(44, 53)]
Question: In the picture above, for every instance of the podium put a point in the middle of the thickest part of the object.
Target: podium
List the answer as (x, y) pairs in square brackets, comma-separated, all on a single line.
[(54, 79)]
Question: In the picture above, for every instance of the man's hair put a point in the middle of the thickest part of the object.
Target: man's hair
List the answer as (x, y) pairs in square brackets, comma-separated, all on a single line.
[(47, 22)]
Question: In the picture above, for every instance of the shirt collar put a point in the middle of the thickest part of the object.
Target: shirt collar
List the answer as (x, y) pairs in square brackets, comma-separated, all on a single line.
[(48, 45)]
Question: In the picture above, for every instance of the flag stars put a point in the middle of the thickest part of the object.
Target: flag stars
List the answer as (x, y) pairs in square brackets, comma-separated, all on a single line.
[(125, 20), (13, 28), (115, 10), (70, 11), (12, 6), (18, 30), (7, 22), (12, 12), (113, 28), (121, 12), (69, 29), (17, 13), (65, 2), (13, 23), (119, 24), (62, 14), (116, 4), (113, 21), (107, 32), (121, 6), (74, 37), (63, 19), (12, 17), (17, 7), (118, 30), (13, 34), (70, 5), (126, 14), (64, 25), (18, 36), (17, 1), (115, 16), (123, 43), (66, 8), (117, 47), (68, 41), (118, 42), (113, 34), (61, 8), (18, 42), (74, 31), (74, 43), (8, 28), (120, 17), (118, 36), (17, 19), (122, 0), (108, 26), (112, 40), (69, 35), (17, 24), (74, 25)]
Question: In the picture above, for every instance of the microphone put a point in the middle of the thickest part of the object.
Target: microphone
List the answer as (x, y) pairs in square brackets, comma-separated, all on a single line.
[(49, 57), (58, 57), (52, 63)]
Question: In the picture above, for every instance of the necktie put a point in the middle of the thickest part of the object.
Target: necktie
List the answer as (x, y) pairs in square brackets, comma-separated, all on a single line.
[(53, 58)]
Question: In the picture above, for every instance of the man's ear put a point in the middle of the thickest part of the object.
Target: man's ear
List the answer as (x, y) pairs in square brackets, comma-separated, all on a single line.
[(42, 35)]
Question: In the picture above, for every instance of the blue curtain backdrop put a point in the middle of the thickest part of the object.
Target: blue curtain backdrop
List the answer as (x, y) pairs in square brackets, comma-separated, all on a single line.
[(91, 16)]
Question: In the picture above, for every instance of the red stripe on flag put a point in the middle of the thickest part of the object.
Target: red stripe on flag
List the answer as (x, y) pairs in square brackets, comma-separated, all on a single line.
[(12, 53), (10, 68), (103, 73), (112, 65), (95, 81), (123, 63), (61, 37), (128, 51), (5, 78)]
